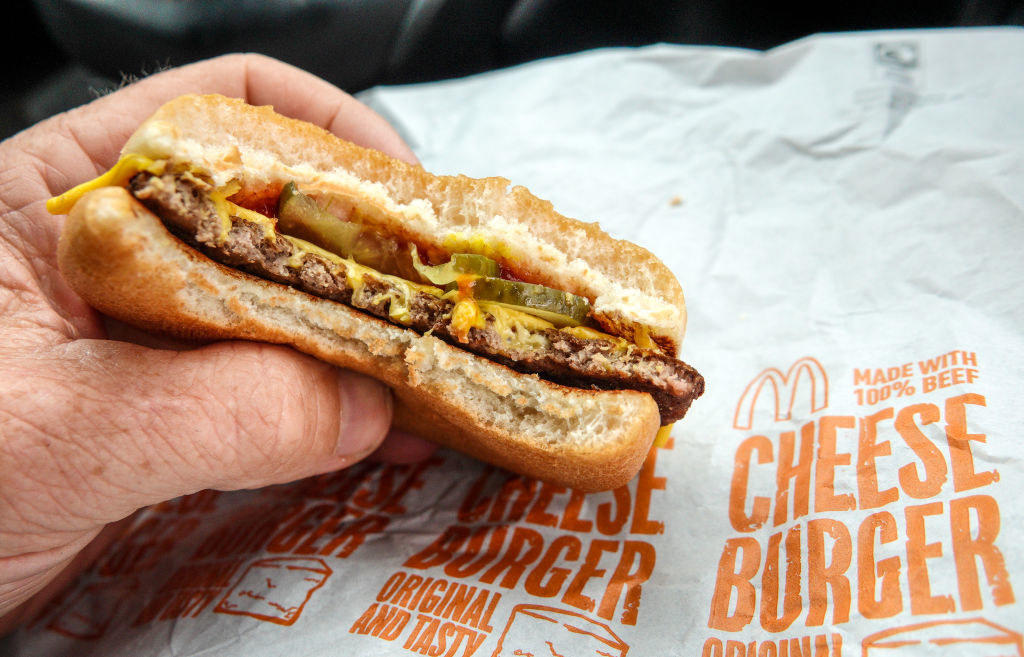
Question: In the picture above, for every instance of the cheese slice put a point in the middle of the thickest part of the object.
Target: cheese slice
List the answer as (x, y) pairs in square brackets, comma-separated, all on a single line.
[(118, 176)]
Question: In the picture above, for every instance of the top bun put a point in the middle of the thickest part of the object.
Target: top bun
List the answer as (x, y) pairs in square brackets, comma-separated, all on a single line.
[(231, 141)]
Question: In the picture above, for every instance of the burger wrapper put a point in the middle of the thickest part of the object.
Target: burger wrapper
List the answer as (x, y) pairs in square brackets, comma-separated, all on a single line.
[(846, 214)]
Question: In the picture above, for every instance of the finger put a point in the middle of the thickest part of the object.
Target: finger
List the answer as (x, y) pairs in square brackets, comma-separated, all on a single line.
[(88, 139), (302, 95), (400, 448), (262, 80), (124, 426)]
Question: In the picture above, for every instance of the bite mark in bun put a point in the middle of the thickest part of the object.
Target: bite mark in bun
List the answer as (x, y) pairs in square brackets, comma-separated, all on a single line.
[(507, 331)]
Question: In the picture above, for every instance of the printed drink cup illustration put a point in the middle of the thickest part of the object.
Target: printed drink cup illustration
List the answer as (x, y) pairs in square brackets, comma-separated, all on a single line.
[(974, 637), (536, 630), (276, 589)]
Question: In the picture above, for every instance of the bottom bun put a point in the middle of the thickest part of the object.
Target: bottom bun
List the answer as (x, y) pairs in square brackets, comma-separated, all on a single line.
[(119, 258)]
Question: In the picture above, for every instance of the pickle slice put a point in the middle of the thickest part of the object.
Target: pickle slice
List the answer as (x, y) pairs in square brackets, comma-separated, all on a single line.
[(558, 307), (300, 216), (460, 264)]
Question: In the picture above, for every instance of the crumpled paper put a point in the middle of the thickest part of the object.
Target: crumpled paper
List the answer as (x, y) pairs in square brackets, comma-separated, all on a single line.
[(846, 215)]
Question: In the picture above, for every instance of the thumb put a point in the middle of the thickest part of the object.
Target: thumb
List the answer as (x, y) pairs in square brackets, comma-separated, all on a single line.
[(139, 425)]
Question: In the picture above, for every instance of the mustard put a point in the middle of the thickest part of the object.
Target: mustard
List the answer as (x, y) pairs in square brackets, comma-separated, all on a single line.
[(661, 438)]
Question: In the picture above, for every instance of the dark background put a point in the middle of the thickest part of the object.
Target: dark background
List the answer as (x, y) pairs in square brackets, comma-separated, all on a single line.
[(62, 53)]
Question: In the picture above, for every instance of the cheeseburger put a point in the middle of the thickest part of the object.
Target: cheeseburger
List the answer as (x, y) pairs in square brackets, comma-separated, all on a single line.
[(507, 331)]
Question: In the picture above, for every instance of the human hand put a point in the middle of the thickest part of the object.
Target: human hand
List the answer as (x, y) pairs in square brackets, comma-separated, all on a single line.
[(92, 429)]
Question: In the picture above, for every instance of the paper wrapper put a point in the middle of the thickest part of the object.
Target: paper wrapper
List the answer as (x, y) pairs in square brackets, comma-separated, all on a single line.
[(846, 214)]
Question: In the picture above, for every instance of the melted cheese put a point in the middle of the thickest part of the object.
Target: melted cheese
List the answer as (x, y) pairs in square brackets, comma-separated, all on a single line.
[(642, 337), (226, 209), (118, 176), (465, 315), (587, 333), (517, 329)]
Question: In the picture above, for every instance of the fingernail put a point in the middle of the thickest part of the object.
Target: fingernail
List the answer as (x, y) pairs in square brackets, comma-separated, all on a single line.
[(365, 414)]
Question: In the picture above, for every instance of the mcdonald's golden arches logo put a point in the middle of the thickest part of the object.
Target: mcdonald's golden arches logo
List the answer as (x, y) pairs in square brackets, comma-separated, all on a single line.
[(806, 374)]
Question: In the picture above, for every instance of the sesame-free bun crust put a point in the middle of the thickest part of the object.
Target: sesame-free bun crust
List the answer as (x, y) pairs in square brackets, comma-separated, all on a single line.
[(233, 141), (121, 259)]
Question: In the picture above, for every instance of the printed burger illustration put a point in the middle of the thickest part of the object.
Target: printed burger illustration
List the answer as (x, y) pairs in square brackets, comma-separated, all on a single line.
[(275, 589), (507, 331), (974, 637), (538, 630)]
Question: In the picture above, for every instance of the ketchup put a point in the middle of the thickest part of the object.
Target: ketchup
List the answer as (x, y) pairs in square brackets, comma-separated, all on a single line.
[(508, 274)]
